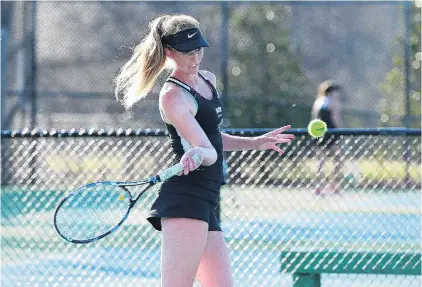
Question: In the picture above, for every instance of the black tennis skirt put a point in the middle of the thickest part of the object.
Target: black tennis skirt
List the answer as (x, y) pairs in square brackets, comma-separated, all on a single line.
[(178, 199)]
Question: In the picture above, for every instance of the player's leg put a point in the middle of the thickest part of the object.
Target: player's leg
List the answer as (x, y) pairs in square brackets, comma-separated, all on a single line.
[(183, 244), (337, 172), (215, 268), (321, 157)]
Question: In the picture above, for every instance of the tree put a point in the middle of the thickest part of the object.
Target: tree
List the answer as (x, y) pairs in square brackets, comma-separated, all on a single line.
[(393, 108), (266, 84)]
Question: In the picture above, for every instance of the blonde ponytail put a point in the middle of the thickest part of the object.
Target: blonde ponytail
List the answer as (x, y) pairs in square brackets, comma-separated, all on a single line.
[(137, 77)]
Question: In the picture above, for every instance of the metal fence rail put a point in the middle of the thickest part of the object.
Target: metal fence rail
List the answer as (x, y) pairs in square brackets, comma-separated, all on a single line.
[(268, 207)]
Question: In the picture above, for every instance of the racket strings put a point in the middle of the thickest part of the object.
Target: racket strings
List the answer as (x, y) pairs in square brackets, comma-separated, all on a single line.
[(92, 212)]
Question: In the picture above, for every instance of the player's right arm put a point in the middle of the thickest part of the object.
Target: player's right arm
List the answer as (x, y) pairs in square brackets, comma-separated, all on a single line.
[(179, 111), (315, 109)]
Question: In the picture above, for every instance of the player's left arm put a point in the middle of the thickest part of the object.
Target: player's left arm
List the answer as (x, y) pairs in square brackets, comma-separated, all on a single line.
[(263, 142), (336, 111)]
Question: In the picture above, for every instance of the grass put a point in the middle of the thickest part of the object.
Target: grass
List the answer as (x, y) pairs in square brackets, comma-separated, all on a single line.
[(306, 169), (374, 169)]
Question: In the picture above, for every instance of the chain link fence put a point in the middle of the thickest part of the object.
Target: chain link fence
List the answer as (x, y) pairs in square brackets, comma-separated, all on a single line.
[(268, 206)]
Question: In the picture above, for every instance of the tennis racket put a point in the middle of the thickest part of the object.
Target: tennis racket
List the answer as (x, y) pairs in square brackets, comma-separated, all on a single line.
[(95, 210)]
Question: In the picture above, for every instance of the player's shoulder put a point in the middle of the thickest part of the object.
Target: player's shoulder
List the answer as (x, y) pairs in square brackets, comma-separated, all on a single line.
[(210, 77), (171, 96)]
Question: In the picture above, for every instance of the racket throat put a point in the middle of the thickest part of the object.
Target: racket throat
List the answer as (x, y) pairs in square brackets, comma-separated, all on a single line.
[(132, 202)]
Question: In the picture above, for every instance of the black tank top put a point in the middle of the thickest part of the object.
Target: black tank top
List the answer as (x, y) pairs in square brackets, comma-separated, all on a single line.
[(209, 116), (325, 113)]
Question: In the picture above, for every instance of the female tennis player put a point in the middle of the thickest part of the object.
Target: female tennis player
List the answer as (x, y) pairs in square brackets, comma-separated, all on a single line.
[(185, 208), (327, 108)]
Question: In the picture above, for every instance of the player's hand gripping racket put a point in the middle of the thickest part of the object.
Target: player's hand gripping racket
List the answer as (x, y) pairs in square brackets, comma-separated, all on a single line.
[(95, 210)]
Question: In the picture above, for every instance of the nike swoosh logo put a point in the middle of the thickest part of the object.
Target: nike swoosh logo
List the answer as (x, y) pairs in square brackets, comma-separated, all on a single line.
[(190, 36)]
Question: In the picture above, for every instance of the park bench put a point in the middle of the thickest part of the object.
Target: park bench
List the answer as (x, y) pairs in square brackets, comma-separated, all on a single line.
[(307, 266)]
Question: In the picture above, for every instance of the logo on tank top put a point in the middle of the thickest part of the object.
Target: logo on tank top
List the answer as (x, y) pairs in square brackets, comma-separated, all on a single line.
[(219, 114)]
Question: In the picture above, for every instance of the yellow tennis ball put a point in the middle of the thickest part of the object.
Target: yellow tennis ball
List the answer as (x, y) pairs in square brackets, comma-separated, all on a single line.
[(317, 128)]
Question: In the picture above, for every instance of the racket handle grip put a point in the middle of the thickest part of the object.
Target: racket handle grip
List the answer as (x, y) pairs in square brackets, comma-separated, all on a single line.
[(175, 169)]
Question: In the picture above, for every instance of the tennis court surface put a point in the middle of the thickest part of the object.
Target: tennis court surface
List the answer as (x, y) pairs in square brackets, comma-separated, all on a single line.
[(258, 225)]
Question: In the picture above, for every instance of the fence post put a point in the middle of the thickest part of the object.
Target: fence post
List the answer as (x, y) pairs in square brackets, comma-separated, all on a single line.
[(406, 62), (6, 11)]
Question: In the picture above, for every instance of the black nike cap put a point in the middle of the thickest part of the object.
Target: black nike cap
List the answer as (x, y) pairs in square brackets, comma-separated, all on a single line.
[(186, 40)]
